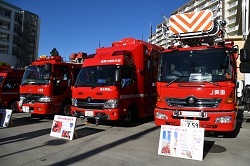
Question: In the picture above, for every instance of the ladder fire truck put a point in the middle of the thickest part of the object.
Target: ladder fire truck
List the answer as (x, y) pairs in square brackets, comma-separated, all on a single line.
[(10, 80), (197, 76), (46, 84), (118, 82)]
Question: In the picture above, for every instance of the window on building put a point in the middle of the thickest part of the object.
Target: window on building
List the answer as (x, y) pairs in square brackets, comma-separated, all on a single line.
[(18, 17), (17, 40), (17, 28), (5, 12), (4, 49), (4, 36), (16, 51), (4, 24)]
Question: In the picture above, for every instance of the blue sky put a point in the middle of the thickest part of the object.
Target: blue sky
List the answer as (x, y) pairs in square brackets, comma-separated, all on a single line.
[(80, 25)]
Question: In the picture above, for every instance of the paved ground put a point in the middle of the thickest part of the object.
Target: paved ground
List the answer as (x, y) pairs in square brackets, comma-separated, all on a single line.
[(28, 142)]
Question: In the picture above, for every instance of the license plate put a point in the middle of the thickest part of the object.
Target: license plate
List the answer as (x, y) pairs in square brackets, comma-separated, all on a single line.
[(89, 113), (26, 109), (190, 123), (192, 114)]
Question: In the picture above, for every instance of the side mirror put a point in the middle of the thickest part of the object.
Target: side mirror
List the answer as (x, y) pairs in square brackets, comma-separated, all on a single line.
[(245, 55), (245, 67), (149, 64), (69, 82), (117, 74)]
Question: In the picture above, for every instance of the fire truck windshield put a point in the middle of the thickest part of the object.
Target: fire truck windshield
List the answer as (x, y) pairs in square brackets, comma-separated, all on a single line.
[(210, 65), (35, 75), (97, 76)]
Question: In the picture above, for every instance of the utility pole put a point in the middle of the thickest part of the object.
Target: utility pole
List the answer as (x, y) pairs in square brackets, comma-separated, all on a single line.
[(245, 18)]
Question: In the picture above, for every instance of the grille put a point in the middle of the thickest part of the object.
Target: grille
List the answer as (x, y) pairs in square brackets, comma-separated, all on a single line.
[(203, 102), (31, 98), (93, 104)]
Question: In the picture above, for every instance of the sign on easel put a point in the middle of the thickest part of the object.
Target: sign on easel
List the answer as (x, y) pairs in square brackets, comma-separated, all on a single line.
[(5, 117), (183, 142), (63, 127)]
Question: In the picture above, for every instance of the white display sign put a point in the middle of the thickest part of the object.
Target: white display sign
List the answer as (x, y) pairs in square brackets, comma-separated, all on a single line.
[(5, 117), (63, 127), (183, 142)]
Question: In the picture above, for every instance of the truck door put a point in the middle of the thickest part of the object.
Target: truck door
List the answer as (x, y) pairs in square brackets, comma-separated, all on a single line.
[(10, 90), (150, 85), (61, 77)]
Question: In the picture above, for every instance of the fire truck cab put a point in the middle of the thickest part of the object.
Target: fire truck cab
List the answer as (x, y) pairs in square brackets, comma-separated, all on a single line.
[(197, 76), (118, 82), (46, 85), (10, 80)]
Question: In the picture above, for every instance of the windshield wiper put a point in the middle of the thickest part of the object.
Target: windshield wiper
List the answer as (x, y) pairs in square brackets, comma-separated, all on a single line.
[(178, 76), (211, 82)]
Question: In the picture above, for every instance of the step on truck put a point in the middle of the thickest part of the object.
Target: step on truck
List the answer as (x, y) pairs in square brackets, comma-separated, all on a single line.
[(117, 83), (197, 75), (46, 84), (10, 79)]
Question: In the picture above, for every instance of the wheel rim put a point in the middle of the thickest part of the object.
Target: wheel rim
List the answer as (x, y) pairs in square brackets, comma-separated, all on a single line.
[(66, 110), (128, 116)]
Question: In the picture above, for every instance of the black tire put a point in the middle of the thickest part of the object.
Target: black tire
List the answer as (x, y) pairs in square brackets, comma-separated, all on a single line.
[(13, 106), (66, 108), (247, 107), (130, 116)]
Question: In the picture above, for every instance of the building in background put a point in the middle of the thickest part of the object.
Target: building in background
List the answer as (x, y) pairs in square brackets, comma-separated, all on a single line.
[(19, 35), (228, 10)]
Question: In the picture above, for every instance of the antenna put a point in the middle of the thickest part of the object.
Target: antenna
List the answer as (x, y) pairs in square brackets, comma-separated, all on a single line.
[(151, 32), (163, 15)]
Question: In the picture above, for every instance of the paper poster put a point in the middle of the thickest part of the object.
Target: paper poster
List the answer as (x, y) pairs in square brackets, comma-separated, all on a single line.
[(63, 127), (5, 117), (183, 142)]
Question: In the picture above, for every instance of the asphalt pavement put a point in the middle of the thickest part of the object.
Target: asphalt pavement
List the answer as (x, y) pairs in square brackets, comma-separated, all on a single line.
[(28, 143)]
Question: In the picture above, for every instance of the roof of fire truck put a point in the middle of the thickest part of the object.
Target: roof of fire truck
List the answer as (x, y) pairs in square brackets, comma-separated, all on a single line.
[(117, 53)]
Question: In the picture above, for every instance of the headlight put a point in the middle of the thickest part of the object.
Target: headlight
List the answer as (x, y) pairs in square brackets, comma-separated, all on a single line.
[(22, 98), (223, 119), (74, 102), (160, 115), (112, 103), (45, 100)]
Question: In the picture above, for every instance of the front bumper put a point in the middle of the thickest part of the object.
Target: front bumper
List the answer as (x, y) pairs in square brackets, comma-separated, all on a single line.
[(106, 114), (208, 122), (38, 108)]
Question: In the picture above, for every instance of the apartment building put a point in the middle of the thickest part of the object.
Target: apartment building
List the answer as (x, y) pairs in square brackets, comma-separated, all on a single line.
[(228, 10), (19, 35)]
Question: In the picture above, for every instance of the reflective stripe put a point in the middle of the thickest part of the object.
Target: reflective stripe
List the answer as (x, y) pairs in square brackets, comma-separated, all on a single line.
[(132, 96)]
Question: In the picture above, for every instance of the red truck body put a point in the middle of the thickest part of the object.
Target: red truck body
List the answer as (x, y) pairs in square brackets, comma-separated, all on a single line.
[(46, 86), (197, 81), (118, 82), (10, 80)]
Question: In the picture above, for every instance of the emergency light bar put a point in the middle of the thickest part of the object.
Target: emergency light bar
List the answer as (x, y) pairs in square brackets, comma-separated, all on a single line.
[(54, 57)]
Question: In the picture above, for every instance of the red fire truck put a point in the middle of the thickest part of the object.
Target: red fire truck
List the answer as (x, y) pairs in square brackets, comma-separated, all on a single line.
[(118, 82), (197, 76), (46, 85), (10, 80)]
